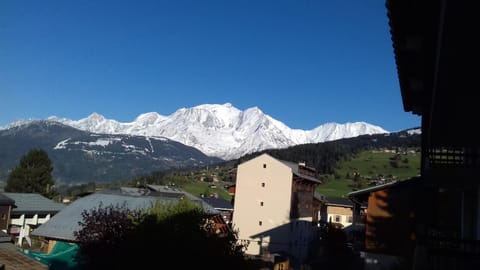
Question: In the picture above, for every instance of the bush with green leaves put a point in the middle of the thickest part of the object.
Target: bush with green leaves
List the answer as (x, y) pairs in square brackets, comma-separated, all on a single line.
[(168, 234)]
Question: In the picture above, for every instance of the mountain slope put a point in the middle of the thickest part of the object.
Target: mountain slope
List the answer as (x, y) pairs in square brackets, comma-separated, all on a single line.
[(222, 130), (325, 156), (81, 156)]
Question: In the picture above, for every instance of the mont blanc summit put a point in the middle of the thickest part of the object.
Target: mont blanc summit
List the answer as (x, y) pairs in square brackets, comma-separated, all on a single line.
[(221, 130)]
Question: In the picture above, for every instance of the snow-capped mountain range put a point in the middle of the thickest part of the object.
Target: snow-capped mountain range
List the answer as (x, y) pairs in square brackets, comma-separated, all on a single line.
[(219, 130)]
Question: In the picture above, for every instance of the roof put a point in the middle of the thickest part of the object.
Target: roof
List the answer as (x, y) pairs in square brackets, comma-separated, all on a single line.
[(319, 196), (414, 30), (167, 191), (430, 38), (131, 191), (362, 195), (307, 177), (66, 222), (164, 192), (4, 200), (12, 258), (33, 203), (63, 225), (207, 208), (339, 201), (294, 166), (219, 203)]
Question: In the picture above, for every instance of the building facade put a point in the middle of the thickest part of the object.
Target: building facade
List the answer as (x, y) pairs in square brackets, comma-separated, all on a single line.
[(439, 214), (274, 209)]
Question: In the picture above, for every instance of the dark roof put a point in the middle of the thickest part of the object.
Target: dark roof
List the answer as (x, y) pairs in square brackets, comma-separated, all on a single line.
[(219, 203), (435, 51), (339, 201), (33, 203), (414, 29), (4, 200), (295, 171), (363, 194)]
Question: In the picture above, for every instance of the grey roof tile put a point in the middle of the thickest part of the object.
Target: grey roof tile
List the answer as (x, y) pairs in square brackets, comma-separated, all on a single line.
[(4, 200), (63, 225), (31, 203)]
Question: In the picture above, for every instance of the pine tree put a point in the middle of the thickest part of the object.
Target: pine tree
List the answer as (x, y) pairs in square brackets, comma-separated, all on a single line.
[(32, 175)]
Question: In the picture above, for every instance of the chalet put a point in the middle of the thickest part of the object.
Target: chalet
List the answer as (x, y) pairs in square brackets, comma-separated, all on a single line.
[(437, 71), (274, 206), (6, 205), (389, 231), (337, 210), (30, 210), (225, 207)]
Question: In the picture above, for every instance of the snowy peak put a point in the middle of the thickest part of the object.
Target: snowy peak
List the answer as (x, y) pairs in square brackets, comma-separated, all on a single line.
[(148, 119), (335, 131), (210, 116), (221, 130)]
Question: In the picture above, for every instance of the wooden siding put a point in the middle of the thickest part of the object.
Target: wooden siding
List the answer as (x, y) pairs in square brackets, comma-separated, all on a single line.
[(4, 216), (302, 198)]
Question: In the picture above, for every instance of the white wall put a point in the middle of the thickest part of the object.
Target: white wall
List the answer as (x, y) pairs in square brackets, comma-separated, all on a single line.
[(275, 195)]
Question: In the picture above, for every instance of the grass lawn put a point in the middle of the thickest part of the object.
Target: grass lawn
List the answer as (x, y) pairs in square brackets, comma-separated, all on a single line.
[(369, 165), (335, 188)]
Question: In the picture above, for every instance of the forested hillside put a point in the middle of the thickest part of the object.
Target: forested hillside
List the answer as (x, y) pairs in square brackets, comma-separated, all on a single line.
[(325, 156), (343, 165)]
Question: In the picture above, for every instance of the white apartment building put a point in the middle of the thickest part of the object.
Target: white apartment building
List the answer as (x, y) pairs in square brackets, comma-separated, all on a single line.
[(274, 206)]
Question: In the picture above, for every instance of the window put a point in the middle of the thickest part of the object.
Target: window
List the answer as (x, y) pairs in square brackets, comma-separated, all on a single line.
[(260, 223), (261, 203), (350, 219), (338, 218), (263, 184), (264, 165)]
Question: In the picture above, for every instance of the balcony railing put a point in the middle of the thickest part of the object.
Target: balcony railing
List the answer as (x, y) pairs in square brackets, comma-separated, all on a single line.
[(460, 157), (448, 253)]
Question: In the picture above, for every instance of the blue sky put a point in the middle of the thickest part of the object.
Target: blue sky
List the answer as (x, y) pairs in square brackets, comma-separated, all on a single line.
[(305, 63)]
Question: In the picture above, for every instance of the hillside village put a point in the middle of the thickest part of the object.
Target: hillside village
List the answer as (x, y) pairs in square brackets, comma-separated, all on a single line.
[(282, 215), (281, 211), (277, 218)]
